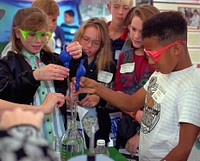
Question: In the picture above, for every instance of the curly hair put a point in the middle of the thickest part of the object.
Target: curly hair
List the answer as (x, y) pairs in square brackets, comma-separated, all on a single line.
[(166, 26)]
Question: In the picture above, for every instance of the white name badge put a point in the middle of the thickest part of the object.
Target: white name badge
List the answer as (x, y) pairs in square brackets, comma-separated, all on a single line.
[(159, 94), (127, 68), (104, 76), (117, 53)]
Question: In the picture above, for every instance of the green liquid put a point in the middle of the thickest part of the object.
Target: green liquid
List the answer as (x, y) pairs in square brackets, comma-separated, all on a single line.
[(71, 148)]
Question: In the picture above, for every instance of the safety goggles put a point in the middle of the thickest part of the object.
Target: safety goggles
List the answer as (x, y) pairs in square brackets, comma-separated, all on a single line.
[(156, 54), (32, 36)]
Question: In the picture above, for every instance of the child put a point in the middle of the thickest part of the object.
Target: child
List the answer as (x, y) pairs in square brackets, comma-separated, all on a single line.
[(170, 122), (31, 70), (51, 8), (93, 36), (117, 31), (69, 27), (133, 71), (118, 34)]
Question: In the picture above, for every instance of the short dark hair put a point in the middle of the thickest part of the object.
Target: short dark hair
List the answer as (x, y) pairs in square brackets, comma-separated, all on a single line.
[(196, 11), (70, 13), (166, 26)]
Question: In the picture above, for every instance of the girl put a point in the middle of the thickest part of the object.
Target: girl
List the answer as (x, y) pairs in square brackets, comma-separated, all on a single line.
[(31, 71), (51, 8), (94, 38)]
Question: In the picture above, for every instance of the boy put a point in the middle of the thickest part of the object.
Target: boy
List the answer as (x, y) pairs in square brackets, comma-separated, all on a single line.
[(170, 122), (117, 31), (69, 27)]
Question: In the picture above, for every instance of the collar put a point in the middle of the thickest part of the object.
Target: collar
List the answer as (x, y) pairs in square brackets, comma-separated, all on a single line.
[(30, 56)]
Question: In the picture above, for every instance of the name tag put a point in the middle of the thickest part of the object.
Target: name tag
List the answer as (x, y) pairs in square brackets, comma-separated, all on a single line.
[(117, 53), (127, 68), (104, 76), (159, 94)]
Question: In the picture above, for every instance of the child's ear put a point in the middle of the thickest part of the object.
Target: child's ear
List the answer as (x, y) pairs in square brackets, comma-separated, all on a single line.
[(177, 49), (17, 33)]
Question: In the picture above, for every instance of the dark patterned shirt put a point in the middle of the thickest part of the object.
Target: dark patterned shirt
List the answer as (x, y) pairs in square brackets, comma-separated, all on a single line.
[(130, 82), (24, 143)]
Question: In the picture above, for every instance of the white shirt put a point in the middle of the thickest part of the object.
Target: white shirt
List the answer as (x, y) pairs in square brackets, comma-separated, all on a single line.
[(173, 98)]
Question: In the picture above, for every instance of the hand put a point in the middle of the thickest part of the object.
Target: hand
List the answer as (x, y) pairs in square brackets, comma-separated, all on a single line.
[(51, 101), (132, 144), (138, 116), (87, 85), (90, 101), (20, 117), (51, 72), (74, 49)]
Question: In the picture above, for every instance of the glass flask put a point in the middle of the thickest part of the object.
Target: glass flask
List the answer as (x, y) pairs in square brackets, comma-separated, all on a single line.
[(71, 142)]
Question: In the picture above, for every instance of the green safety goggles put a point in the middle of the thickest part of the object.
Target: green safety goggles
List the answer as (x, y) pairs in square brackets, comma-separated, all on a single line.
[(32, 36)]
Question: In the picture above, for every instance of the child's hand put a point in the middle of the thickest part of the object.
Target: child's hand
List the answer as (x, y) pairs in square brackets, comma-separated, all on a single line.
[(90, 101), (20, 117), (87, 85), (51, 72), (51, 101), (132, 144), (74, 49)]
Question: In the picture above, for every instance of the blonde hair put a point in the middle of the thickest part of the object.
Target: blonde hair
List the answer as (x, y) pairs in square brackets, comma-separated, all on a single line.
[(32, 19), (50, 7), (104, 54), (131, 2)]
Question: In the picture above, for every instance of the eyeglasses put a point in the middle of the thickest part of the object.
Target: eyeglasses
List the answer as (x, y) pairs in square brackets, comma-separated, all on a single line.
[(31, 36), (95, 43), (156, 54)]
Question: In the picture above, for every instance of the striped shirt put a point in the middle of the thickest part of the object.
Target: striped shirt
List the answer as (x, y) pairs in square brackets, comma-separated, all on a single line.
[(171, 99), (69, 31), (53, 125)]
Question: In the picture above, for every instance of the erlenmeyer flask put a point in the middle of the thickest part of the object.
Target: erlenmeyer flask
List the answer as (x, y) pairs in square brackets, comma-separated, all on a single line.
[(71, 142)]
